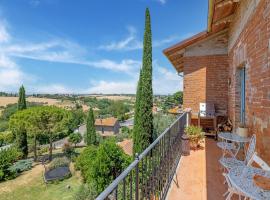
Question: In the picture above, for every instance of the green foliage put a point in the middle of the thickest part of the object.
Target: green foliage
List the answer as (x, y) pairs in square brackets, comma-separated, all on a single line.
[(21, 141), (75, 138), (109, 163), (109, 108), (78, 117), (116, 109), (68, 150), (85, 192), (7, 158), (195, 134), (161, 122), (42, 150), (3, 125), (100, 166), (22, 100), (173, 100), (21, 166), (40, 120), (143, 121), (6, 137), (85, 160), (59, 162), (125, 133), (90, 136)]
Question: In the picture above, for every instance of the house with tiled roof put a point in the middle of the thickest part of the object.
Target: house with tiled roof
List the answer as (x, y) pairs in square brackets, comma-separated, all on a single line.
[(107, 127)]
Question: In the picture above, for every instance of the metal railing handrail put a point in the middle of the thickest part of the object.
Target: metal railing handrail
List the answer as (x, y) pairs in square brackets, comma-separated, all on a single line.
[(132, 166)]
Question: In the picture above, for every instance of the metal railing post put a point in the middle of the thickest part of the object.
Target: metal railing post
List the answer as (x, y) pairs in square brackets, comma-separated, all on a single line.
[(137, 178), (188, 117)]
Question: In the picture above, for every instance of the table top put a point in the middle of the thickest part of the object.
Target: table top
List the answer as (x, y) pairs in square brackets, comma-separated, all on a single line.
[(233, 137), (241, 178)]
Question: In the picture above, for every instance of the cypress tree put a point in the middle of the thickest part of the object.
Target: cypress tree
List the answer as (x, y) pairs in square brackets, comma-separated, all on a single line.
[(22, 135), (21, 101), (91, 137), (143, 120)]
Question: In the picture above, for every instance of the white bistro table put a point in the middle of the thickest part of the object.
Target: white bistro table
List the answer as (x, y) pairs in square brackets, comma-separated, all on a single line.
[(232, 137), (241, 178)]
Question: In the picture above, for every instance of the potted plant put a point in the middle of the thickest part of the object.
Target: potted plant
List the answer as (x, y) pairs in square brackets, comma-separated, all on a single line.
[(242, 130), (195, 136)]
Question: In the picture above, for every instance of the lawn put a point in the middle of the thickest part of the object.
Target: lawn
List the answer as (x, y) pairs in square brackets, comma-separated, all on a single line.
[(30, 186)]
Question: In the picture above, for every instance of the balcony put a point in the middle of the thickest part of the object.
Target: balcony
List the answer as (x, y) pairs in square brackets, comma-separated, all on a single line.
[(160, 172)]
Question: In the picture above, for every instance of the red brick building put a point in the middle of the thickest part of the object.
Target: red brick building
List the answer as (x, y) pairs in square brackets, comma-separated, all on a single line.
[(229, 65)]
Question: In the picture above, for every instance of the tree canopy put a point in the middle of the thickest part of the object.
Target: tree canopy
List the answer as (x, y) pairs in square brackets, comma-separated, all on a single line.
[(75, 138), (40, 120)]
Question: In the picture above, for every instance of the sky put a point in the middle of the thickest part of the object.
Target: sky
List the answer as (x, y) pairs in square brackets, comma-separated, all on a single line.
[(91, 46)]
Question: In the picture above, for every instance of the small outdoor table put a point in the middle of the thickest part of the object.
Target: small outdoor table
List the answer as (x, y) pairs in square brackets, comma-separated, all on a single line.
[(241, 178), (227, 136)]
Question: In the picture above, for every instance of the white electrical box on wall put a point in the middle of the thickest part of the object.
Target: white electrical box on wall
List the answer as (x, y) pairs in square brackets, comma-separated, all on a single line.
[(202, 109)]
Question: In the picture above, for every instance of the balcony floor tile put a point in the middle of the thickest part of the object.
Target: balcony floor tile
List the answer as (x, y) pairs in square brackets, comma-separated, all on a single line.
[(199, 176)]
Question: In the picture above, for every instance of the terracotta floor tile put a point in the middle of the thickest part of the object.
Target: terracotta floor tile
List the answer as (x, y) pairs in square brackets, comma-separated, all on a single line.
[(199, 176)]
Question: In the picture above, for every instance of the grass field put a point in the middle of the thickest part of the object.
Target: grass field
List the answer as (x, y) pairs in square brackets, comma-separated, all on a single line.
[(30, 186)]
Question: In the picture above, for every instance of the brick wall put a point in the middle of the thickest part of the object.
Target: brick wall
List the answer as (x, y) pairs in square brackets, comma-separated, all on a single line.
[(251, 50), (206, 80)]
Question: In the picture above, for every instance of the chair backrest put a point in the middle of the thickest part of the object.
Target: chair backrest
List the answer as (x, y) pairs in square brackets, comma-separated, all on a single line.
[(258, 160), (251, 149)]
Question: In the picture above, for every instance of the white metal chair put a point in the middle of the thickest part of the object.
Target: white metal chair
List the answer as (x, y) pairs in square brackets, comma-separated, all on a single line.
[(232, 190), (226, 148), (258, 160), (229, 163)]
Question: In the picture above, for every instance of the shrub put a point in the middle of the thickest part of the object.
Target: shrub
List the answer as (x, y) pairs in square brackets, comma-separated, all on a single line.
[(21, 166), (125, 133), (85, 192), (59, 162), (68, 149), (7, 158), (101, 165), (43, 150), (75, 138), (195, 135), (85, 160)]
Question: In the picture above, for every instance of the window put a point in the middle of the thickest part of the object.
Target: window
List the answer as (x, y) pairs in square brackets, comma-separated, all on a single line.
[(242, 94)]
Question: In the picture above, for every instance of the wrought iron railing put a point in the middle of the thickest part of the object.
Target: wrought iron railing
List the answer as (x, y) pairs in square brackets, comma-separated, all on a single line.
[(149, 176)]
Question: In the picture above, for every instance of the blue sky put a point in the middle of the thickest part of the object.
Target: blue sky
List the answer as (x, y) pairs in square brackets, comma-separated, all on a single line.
[(91, 46)]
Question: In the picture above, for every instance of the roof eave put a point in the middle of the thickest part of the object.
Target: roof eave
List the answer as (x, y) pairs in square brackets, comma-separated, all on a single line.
[(210, 15)]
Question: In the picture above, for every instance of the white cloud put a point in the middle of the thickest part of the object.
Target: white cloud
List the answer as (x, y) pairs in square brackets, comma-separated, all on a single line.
[(162, 1), (64, 51), (126, 65), (11, 76), (58, 50), (4, 36), (165, 81), (52, 89), (111, 87), (168, 74), (130, 42)]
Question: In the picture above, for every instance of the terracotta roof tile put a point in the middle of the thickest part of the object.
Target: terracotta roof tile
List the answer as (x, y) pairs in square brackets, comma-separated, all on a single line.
[(106, 122)]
